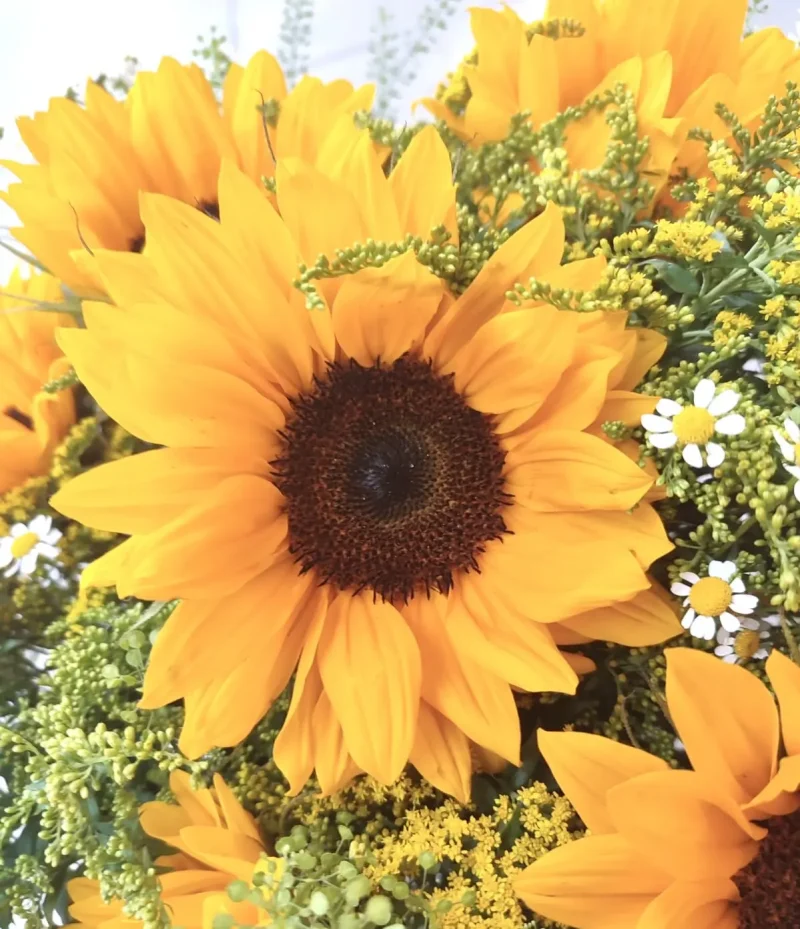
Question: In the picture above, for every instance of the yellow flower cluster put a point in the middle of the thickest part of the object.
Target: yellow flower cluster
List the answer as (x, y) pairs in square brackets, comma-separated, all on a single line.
[(691, 239)]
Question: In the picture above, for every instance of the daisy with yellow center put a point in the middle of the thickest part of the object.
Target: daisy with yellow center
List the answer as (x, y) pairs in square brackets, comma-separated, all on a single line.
[(216, 842), (170, 136), (712, 848), (21, 548), (393, 496), (750, 643), (718, 596), (692, 427), (678, 58), (32, 423), (790, 449)]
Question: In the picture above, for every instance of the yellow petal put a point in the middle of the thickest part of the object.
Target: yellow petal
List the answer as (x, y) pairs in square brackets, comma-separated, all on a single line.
[(381, 313), (370, 667), (784, 675), (727, 720), (701, 905), (237, 819), (599, 882), (441, 753), (333, 765), (680, 822), (647, 619), (587, 766), (222, 850), (422, 186), (780, 797), (212, 548)]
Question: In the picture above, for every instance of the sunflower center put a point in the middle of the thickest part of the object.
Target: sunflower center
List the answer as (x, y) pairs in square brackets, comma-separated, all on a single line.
[(711, 596), (693, 426), (746, 643), (392, 482), (770, 885), (23, 544)]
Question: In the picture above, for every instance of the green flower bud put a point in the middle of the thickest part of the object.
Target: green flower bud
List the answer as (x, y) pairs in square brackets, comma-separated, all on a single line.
[(238, 891), (378, 910), (318, 904)]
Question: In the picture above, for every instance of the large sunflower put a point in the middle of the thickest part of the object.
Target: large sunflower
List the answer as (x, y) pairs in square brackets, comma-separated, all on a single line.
[(169, 136), (217, 842), (32, 423), (679, 59), (392, 495), (713, 848)]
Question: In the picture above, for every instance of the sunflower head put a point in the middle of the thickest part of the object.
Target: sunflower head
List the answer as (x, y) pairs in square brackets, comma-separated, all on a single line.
[(716, 846), (33, 422), (169, 136), (395, 495), (216, 843)]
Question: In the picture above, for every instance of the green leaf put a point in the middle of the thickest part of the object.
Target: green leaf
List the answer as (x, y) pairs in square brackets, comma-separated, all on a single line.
[(680, 279)]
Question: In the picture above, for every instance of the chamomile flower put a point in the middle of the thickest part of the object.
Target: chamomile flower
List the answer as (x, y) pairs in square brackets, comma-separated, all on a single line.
[(790, 449), (21, 548), (747, 644), (692, 427), (718, 596)]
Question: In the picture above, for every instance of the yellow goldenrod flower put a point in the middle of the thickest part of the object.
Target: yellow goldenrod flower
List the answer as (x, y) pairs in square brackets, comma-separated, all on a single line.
[(169, 136), (33, 423), (216, 842), (715, 847), (381, 495)]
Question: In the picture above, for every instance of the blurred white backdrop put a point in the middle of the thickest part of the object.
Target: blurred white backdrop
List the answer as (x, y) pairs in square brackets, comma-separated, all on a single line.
[(47, 46)]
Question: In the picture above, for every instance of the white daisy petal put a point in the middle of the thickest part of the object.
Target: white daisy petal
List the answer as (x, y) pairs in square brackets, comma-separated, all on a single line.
[(729, 622), (662, 439), (761, 653), (797, 491), (744, 603), (17, 530), (722, 569), (692, 456), (5, 557), (27, 564), (732, 424), (704, 393), (723, 403), (793, 429), (724, 638), (772, 620), (715, 454), (794, 470), (787, 449), (703, 628), (680, 590), (48, 551), (690, 576), (737, 585), (688, 618), (722, 649), (731, 659), (654, 423), (40, 524), (52, 537), (667, 407), (10, 572)]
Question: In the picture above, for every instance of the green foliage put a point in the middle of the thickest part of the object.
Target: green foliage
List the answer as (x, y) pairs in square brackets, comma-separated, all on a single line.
[(294, 38), (213, 56), (394, 56)]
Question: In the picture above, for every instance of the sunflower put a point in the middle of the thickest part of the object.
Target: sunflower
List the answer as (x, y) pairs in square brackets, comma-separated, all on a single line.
[(217, 842), (712, 848), (169, 136), (678, 58), (33, 423), (393, 495)]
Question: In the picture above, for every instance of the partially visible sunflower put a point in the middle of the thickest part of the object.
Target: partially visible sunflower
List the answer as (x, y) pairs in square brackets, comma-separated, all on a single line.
[(679, 59), (393, 496), (217, 842), (712, 848), (169, 136), (32, 423)]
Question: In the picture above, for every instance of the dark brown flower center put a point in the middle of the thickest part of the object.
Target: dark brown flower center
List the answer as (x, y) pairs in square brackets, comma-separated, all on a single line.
[(18, 416), (392, 482), (770, 884)]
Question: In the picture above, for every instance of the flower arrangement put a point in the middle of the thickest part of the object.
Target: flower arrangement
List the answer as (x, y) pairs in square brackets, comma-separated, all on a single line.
[(400, 524)]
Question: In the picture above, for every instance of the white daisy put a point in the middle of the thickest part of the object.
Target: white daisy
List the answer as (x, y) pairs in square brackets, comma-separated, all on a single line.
[(790, 449), (20, 549), (719, 596), (752, 641), (692, 426)]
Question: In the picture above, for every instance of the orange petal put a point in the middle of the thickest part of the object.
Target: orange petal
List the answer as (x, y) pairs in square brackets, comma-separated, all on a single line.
[(784, 675), (727, 720), (334, 766), (599, 882), (237, 819), (680, 822), (647, 619), (587, 766), (370, 667), (701, 905), (441, 753)]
